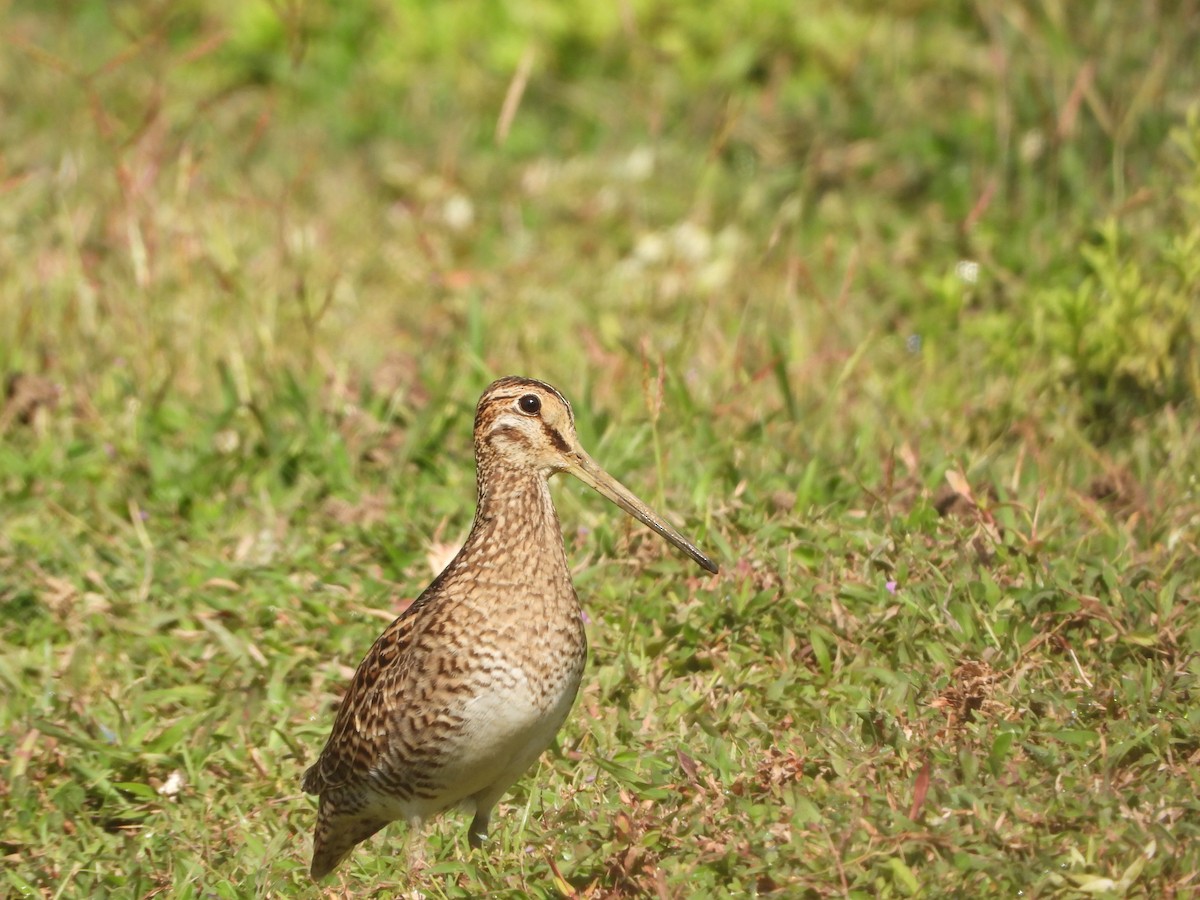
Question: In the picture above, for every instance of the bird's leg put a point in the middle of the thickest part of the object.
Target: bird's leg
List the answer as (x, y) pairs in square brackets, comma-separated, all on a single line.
[(477, 833), (415, 847)]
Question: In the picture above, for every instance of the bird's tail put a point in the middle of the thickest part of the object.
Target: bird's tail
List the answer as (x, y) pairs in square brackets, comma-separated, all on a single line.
[(336, 835)]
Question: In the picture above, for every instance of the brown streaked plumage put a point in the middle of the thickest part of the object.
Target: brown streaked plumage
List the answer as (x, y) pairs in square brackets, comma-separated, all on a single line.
[(463, 692)]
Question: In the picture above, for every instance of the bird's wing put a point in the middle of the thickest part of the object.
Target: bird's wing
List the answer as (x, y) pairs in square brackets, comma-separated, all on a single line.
[(360, 732)]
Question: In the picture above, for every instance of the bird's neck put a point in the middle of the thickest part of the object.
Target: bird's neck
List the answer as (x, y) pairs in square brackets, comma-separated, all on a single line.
[(516, 537)]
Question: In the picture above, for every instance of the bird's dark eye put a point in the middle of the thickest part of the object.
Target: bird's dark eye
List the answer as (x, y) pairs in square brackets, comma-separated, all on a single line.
[(530, 404)]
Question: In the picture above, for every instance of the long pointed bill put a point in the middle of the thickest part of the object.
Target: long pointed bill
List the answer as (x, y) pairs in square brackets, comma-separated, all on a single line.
[(587, 471)]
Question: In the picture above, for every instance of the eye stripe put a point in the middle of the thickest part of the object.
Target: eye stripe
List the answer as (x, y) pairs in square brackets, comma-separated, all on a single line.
[(555, 438)]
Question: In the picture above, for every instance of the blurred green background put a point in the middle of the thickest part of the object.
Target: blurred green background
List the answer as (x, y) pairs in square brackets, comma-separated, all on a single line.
[(895, 305)]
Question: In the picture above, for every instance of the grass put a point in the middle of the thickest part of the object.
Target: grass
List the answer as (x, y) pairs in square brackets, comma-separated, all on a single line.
[(895, 307)]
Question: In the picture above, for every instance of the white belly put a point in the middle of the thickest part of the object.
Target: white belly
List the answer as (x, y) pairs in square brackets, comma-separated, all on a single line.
[(518, 729), (503, 733)]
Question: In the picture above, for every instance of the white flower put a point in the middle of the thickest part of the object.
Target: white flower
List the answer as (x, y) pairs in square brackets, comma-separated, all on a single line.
[(458, 213)]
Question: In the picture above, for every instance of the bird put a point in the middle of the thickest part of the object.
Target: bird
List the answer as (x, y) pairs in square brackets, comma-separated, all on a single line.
[(462, 693)]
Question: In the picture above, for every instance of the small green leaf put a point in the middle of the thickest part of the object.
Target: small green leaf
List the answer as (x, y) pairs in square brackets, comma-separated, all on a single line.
[(821, 651), (999, 752), (137, 789), (903, 876), (1140, 639), (1079, 737)]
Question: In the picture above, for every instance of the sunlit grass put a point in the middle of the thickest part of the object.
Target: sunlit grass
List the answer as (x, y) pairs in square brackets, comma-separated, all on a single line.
[(894, 309)]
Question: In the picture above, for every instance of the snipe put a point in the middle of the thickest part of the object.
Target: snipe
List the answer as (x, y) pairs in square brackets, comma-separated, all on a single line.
[(463, 692)]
